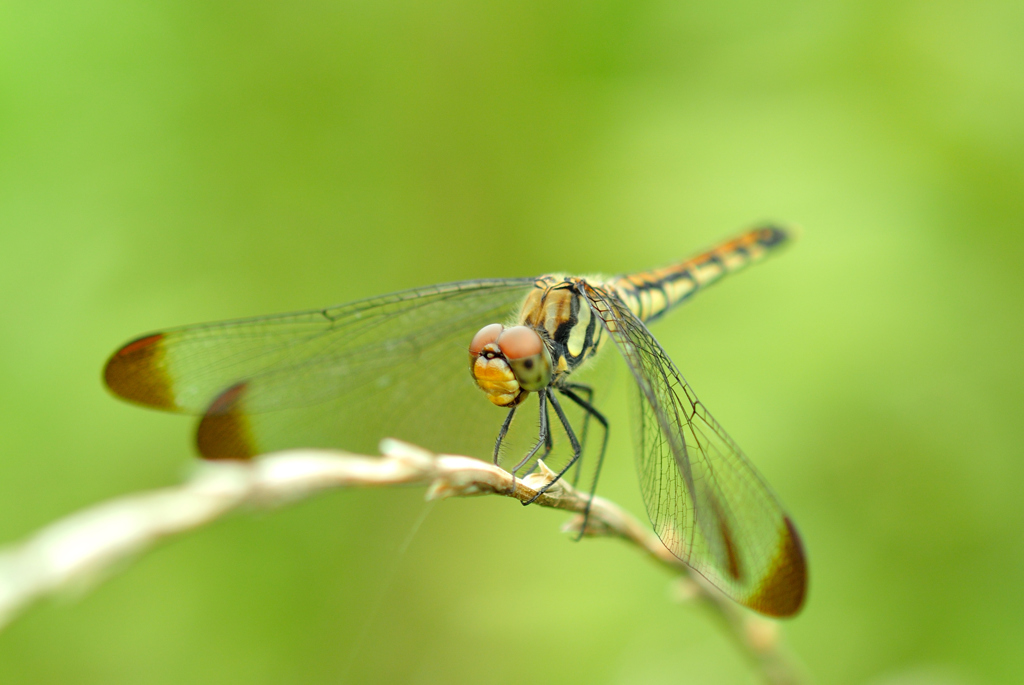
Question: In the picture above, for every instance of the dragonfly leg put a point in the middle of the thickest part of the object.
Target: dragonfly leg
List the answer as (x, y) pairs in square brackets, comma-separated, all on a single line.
[(502, 433), (576, 450), (548, 445), (589, 408), (545, 433)]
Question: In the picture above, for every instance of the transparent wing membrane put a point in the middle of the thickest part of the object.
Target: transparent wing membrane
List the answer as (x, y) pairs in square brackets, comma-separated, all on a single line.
[(705, 500), (345, 377)]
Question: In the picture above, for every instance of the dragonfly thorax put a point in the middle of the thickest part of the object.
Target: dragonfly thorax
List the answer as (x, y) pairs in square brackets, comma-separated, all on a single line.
[(509, 363), (557, 307)]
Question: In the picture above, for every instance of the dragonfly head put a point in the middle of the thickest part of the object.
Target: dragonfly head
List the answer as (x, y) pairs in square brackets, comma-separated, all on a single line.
[(509, 363)]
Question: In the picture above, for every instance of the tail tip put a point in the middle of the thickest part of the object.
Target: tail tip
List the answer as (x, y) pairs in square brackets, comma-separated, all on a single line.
[(775, 235)]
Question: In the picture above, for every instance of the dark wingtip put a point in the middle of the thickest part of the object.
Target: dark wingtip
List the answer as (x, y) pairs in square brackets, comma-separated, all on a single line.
[(224, 431), (784, 589), (137, 373)]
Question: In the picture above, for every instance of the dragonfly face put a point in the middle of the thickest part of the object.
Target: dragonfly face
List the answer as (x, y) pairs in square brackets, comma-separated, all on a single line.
[(395, 366), (508, 364)]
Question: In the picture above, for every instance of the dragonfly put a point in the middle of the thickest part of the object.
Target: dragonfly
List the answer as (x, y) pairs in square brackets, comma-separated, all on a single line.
[(397, 365)]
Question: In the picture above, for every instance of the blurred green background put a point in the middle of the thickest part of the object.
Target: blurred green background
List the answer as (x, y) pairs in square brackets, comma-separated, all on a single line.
[(164, 163)]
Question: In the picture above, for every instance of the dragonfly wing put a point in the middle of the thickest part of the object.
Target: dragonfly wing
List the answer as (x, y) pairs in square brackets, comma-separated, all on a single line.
[(338, 377), (705, 500)]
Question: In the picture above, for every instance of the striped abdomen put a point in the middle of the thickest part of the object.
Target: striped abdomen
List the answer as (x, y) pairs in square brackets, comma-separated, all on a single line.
[(649, 294)]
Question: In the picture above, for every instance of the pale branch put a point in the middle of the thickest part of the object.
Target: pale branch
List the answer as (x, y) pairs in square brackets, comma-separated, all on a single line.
[(79, 548)]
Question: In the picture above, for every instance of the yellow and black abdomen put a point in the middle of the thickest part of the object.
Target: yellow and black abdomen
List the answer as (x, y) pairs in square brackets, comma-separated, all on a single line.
[(649, 294)]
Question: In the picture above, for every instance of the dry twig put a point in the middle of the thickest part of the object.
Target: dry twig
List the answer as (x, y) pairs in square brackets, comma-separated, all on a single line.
[(79, 548)]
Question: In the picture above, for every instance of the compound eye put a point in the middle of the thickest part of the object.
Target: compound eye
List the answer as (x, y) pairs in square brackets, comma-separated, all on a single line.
[(527, 356), (520, 342), (485, 336)]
